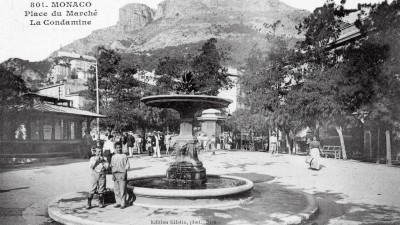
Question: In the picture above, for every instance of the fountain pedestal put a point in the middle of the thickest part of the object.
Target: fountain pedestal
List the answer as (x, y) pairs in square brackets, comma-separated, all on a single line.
[(187, 170)]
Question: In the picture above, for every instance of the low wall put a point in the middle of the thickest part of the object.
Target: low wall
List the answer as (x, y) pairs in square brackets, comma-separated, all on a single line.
[(16, 152)]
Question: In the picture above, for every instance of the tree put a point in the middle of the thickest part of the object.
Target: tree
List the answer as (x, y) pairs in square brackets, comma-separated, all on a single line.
[(382, 31), (357, 77), (12, 87), (382, 45), (200, 74), (243, 120), (11, 100), (266, 84), (318, 96), (120, 94)]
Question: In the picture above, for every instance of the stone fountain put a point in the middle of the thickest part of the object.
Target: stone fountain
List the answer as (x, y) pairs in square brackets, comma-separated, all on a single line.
[(186, 176), (187, 170)]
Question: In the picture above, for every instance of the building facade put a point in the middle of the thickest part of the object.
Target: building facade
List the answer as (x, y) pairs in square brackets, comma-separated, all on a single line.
[(68, 65), (50, 127)]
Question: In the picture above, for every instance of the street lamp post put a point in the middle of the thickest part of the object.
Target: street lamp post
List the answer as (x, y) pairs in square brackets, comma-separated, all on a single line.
[(97, 105)]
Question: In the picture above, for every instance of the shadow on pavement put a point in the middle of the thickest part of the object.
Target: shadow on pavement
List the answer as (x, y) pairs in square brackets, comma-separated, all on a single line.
[(270, 201), (352, 213), (242, 166), (138, 168), (8, 190)]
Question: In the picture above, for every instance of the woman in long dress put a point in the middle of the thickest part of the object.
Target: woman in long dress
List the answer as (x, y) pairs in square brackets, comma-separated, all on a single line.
[(314, 153)]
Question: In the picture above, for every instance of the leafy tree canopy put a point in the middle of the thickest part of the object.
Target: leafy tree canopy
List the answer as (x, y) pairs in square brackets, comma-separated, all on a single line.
[(12, 87), (199, 74), (120, 94)]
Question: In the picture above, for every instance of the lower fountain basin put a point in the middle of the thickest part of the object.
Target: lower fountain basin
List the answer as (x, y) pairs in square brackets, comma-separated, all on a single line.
[(218, 191)]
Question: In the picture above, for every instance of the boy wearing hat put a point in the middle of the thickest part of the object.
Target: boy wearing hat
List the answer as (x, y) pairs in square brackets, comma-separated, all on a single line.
[(98, 165)]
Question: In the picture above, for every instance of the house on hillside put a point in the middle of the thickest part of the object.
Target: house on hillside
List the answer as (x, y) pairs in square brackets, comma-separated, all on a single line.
[(234, 92), (60, 70), (72, 90), (68, 65), (146, 77)]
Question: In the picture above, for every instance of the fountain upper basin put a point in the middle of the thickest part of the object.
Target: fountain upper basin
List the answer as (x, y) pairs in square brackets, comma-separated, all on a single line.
[(185, 101)]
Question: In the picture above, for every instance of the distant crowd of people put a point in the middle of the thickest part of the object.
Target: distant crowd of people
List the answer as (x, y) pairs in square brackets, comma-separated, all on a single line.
[(153, 143), (131, 143), (215, 142)]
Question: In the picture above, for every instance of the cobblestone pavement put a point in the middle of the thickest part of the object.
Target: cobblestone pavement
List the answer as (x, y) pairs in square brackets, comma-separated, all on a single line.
[(348, 192)]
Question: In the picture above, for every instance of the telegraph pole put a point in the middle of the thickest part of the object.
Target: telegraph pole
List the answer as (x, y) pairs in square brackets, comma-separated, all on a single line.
[(97, 104)]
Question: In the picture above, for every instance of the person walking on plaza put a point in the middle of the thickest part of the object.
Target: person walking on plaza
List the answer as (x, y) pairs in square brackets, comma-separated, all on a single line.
[(315, 147), (213, 143), (131, 143), (204, 141), (149, 144), (161, 139), (167, 143), (230, 142), (156, 145), (273, 144), (119, 168), (222, 141), (139, 143), (218, 142), (98, 165), (124, 140)]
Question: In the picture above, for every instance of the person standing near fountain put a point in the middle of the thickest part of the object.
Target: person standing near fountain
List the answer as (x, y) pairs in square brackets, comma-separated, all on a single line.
[(87, 143), (167, 142), (131, 143), (108, 149), (213, 143), (119, 167), (98, 165), (156, 145)]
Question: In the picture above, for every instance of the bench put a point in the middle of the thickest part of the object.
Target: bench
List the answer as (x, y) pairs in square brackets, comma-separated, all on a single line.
[(331, 150)]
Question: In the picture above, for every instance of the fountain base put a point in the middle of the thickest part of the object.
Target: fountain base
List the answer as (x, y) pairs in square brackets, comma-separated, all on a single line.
[(217, 191), (186, 175)]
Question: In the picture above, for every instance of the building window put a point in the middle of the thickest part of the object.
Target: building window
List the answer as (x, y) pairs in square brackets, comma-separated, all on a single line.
[(73, 130), (58, 130), (35, 130), (47, 131), (20, 132), (84, 128), (65, 129)]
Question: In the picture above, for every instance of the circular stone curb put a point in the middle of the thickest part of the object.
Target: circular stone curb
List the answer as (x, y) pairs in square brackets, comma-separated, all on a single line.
[(64, 215), (57, 214), (310, 211)]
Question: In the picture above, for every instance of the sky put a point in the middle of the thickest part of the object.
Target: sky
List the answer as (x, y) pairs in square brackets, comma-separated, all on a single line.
[(20, 39)]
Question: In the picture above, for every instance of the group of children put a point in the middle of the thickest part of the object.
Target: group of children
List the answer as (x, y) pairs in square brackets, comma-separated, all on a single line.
[(99, 165)]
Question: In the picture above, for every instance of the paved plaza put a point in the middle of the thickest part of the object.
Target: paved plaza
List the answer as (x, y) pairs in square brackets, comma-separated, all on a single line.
[(347, 192)]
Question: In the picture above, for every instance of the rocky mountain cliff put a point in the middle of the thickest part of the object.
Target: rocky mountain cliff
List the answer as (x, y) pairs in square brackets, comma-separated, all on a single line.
[(179, 22)]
